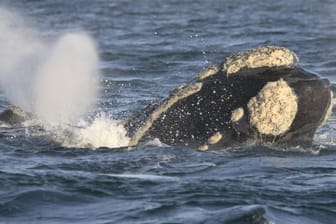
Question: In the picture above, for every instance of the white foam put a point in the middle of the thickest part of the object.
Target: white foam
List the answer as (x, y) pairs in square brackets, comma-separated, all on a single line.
[(150, 177), (103, 131), (155, 142)]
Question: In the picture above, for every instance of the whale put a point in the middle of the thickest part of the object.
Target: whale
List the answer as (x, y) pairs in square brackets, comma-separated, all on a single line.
[(14, 116), (258, 96)]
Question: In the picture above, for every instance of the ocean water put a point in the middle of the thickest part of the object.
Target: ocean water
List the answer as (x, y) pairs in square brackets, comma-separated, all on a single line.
[(146, 48)]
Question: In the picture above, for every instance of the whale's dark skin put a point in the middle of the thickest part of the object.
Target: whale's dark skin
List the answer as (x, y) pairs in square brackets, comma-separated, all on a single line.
[(209, 110), (192, 120)]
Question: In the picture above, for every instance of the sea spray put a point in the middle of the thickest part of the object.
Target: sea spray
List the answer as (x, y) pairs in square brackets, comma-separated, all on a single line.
[(57, 81), (65, 86), (21, 52), (102, 131)]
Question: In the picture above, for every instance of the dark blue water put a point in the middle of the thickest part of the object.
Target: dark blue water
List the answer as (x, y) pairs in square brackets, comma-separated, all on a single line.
[(146, 49)]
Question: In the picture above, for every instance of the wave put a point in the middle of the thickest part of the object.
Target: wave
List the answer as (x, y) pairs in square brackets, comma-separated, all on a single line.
[(31, 199), (101, 131), (149, 177)]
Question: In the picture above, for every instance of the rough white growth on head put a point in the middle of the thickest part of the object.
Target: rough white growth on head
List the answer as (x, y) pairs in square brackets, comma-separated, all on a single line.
[(178, 94), (203, 148), (274, 109), (215, 138), (208, 72), (237, 114), (268, 56)]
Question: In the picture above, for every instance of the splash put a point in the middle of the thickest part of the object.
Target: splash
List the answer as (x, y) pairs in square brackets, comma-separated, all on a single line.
[(65, 85), (103, 131), (57, 81)]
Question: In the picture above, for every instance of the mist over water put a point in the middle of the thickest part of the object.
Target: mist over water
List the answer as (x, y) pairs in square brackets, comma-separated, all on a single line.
[(65, 86), (21, 53), (56, 81)]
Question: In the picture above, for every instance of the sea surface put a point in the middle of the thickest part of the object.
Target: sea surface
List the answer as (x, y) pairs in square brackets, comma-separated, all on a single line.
[(146, 49)]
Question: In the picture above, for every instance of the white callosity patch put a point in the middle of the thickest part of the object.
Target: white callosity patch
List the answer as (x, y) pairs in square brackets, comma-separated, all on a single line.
[(268, 56), (208, 72), (203, 148), (215, 138), (274, 109), (237, 114)]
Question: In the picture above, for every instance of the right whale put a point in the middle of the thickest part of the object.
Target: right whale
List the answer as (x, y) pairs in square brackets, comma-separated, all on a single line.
[(261, 96)]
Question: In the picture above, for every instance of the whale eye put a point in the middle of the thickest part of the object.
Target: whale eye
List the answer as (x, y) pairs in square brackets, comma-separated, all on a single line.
[(273, 110)]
